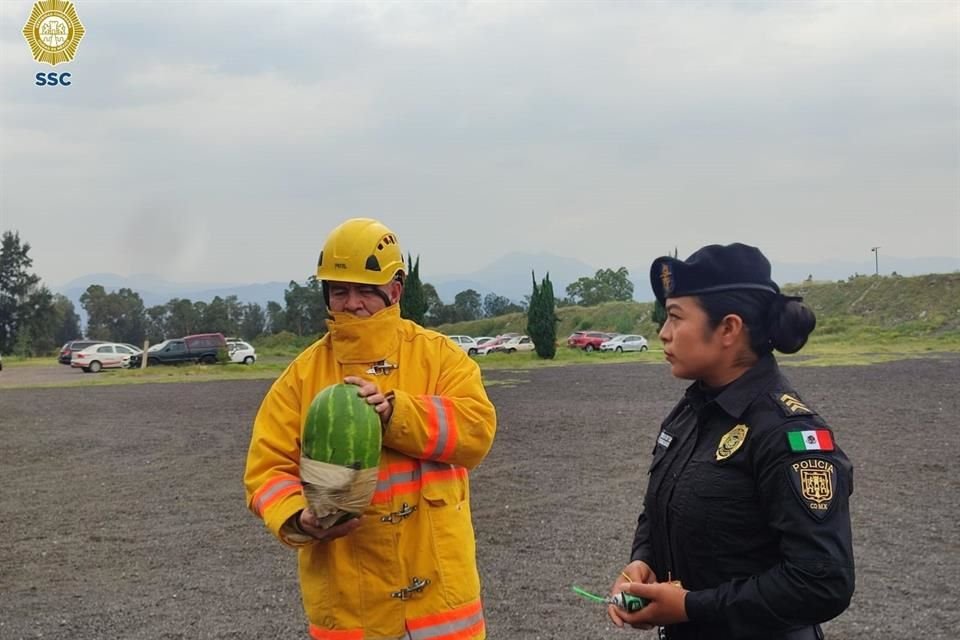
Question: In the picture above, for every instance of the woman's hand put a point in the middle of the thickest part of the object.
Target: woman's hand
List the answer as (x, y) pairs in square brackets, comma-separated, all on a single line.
[(638, 571), (666, 604), (374, 397)]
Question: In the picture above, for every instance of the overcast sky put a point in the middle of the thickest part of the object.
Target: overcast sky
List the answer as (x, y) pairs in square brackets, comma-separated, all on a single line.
[(220, 142)]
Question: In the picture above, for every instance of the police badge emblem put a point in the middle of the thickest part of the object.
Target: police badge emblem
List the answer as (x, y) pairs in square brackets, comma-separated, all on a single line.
[(53, 31), (731, 441), (666, 278)]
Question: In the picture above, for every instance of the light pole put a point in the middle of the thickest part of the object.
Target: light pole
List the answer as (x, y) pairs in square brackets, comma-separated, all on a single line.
[(876, 259)]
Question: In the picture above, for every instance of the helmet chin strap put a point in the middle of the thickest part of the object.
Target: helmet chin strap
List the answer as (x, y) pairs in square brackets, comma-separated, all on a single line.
[(384, 297)]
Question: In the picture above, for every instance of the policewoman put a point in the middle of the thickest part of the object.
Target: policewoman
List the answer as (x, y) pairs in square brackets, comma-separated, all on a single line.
[(745, 529)]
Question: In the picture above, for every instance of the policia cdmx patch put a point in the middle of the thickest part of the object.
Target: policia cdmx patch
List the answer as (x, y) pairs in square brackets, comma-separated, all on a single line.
[(814, 480)]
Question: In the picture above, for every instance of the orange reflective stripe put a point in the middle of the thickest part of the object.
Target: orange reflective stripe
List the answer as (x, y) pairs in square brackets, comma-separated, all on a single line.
[(438, 472), (458, 624), (443, 429), (279, 487), (410, 476), (318, 633), (451, 425), (399, 477), (433, 424)]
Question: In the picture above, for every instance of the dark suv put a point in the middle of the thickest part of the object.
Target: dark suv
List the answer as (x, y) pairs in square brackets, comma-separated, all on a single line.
[(205, 348), (74, 345)]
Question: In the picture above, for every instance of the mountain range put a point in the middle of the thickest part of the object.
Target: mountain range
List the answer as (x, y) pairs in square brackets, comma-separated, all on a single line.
[(508, 276)]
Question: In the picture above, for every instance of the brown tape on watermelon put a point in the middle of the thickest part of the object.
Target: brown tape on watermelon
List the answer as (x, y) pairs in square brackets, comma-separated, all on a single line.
[(334, 493)]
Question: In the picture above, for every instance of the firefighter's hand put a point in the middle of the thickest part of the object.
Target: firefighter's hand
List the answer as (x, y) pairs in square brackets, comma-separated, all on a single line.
[(638, 571), (374, 397), (666, 604), (310, 524)]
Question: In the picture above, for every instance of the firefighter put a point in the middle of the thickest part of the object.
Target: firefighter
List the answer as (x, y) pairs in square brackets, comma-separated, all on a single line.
[(406, 568), (745, 530)]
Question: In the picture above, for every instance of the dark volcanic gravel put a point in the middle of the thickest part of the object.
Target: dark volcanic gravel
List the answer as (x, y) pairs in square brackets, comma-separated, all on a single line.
[(124, 512)]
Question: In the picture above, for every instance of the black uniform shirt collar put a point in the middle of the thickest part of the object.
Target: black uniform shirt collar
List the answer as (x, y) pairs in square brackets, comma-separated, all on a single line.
[(739, 394)]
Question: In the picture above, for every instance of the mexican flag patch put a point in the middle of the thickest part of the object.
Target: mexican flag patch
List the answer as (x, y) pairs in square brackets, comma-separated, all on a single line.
[(814, 440)]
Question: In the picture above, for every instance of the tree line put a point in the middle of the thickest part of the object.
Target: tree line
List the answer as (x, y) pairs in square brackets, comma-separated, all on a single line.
[(35, 321)]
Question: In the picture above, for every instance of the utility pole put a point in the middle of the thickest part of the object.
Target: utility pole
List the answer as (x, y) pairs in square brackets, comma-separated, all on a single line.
[(876, 259)]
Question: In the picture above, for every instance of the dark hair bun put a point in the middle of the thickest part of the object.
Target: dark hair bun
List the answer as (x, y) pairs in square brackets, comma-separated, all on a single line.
[(792, 326)]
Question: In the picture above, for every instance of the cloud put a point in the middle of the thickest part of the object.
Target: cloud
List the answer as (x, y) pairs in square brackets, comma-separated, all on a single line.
[(803, 127)]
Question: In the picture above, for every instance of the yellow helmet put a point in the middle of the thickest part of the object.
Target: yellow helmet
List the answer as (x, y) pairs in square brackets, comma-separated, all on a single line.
[(361, 250)]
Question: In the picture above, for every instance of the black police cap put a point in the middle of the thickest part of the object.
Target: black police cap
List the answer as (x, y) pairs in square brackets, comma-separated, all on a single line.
[(712, 269)]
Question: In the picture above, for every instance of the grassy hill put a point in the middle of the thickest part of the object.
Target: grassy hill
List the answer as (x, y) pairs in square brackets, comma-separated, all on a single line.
[(872, 307)]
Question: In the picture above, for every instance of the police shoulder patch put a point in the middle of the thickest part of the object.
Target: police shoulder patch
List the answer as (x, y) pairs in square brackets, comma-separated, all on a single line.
[(814, 481), (791, 404)]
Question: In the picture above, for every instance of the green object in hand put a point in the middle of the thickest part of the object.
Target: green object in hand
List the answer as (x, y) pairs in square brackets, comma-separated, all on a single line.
[(626, 601)]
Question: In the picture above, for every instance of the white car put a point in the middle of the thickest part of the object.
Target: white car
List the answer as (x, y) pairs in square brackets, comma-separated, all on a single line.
[(625, 343), (520, 343), (105, 355), (468, 344), (241, 352)]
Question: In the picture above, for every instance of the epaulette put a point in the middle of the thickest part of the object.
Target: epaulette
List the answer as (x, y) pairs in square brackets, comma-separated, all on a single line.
[(791, 405)]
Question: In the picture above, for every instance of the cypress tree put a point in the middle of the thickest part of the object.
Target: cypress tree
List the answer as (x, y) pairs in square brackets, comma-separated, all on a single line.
[(542, 319), (413, 302)]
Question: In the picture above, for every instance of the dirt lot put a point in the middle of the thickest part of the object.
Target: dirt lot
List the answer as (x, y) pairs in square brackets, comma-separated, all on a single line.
[(124, 511)]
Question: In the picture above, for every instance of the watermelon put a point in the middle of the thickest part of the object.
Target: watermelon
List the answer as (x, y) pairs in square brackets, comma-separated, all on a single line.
[(340, 454)]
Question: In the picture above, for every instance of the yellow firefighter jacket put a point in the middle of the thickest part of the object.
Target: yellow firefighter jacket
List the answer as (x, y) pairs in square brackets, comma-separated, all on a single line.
[(409, 571)]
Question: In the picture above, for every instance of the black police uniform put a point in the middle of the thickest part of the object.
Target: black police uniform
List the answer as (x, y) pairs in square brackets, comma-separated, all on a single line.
[(747, 495), (761, 538)]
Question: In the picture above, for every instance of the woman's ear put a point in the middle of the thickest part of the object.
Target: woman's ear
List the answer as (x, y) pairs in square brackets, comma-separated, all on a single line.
[(731, 329)]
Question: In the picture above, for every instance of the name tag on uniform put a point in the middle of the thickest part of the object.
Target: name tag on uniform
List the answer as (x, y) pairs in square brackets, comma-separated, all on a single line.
[(664, 439)]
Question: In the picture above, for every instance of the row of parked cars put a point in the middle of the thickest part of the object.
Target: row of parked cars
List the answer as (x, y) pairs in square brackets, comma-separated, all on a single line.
[(602, 341), (505, 343), (586, 340), (94, 355)]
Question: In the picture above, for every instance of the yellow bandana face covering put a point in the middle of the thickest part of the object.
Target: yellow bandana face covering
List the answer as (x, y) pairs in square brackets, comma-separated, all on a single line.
[(359, 340)]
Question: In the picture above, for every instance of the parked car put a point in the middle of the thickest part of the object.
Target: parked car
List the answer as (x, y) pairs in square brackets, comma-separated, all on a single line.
[(205, 348), (491, 345), (241, 352), (466, 343), (68, 348), (520, 343), (588, 340), (626, 342), (483, 340), (104, 355)]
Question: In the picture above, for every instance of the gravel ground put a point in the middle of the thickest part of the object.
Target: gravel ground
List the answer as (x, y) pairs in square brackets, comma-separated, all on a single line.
[(125, 516)]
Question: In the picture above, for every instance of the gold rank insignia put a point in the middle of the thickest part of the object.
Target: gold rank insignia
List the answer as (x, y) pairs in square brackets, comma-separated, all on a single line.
[(731, 441), (666, 279), (813, 479), (791, 404), (53, 31)]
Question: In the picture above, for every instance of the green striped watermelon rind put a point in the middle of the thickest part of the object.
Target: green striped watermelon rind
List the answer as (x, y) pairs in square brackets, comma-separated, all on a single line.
[(342, 428)]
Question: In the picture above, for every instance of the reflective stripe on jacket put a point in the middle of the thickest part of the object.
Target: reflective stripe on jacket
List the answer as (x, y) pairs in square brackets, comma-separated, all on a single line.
[(409, 571)]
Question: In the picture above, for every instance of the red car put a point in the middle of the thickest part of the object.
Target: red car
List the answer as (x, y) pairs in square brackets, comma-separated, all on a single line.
[(588, 340)]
